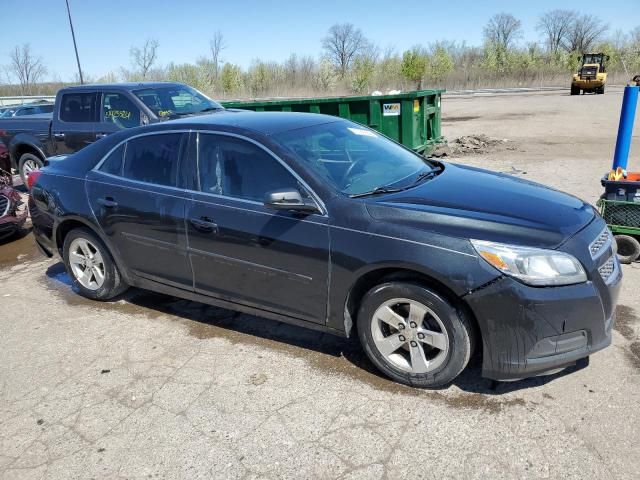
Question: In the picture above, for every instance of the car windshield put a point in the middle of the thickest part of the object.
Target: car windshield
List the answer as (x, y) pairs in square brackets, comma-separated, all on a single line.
[(175, 100), (355, 159)]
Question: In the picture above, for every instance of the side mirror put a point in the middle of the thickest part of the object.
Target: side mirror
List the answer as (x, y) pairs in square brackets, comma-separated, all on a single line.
[(289, 199), (579, 57)]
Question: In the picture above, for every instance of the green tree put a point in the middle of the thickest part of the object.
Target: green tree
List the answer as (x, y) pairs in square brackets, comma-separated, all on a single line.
[(440, 64), (414, 65), (231, 79), (362, 74)]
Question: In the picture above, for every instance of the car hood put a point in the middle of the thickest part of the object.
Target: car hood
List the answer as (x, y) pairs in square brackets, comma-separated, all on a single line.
[(469, 202)]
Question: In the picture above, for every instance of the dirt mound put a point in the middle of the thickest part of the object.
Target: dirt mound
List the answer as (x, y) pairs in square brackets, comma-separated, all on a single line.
[(468, 145)]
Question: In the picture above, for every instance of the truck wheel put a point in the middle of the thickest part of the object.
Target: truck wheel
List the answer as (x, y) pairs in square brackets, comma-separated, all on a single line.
[(601, 90), (628, 248), (574, 90), (28, 163), (414, 335)]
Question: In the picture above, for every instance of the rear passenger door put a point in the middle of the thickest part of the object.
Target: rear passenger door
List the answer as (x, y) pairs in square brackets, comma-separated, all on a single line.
[(139, 202), (74, 127), (242, 251)]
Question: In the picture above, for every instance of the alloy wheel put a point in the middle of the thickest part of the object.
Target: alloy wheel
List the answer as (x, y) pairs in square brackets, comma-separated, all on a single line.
[(86, 264), (410, 336)]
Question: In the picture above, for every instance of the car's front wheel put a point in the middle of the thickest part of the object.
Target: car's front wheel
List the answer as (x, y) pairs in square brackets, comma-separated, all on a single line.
[(90, 266), (414, 335)]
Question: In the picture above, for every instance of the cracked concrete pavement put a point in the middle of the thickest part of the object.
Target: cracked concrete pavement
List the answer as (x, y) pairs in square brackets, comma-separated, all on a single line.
[(150, 386)]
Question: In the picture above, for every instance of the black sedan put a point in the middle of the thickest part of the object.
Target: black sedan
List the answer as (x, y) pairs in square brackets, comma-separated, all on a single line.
[(324, 223)]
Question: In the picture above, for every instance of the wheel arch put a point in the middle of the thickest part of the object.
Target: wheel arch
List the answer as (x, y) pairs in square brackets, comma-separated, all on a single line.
[(20, 145), (384, 274), (67, 224)]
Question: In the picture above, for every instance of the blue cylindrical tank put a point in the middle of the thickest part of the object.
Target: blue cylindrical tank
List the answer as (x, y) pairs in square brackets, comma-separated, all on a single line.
[(625, 129)]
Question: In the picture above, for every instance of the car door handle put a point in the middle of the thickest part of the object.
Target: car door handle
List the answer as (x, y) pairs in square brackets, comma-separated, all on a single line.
[(107, 202), (204, 225), (58, 136), (101, 135)]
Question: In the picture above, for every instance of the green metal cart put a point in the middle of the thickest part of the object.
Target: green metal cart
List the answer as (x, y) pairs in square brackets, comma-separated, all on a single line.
[(623, 218)]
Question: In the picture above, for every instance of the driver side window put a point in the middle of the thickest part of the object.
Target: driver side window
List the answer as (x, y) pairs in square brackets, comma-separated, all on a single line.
[(236, 168), (119, 110)]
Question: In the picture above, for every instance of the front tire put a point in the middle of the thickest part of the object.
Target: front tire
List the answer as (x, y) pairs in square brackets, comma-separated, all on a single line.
[(28, 163), (414, 335), (90, 266)]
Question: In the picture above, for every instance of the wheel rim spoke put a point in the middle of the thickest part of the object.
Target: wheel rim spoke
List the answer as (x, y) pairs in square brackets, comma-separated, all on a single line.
[(434, 339), (419, 363), (76, 258), (417, 312), (390, 344), (388, 316)]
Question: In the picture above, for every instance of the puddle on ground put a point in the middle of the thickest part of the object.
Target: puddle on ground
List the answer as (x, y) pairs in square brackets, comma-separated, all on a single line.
[(625, 319), (323, 351), (18, 249)]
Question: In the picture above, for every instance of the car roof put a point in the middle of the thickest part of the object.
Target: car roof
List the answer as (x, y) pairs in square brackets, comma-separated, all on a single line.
[(267, 123), (124, 85)]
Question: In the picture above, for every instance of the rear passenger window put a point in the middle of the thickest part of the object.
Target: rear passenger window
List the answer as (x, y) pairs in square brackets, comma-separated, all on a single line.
[(113, 163), (153, 158), (78, 107)]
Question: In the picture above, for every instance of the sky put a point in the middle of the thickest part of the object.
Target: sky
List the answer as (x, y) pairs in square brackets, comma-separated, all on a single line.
[(268, 29)]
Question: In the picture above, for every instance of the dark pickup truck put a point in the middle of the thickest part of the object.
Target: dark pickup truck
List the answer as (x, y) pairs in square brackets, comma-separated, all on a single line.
[(86, 113)]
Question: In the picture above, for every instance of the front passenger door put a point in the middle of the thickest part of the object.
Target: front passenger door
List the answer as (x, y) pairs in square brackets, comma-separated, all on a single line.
[(242, 251)]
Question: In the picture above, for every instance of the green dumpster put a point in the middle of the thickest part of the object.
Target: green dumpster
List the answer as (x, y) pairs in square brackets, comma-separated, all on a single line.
[(411, 118)]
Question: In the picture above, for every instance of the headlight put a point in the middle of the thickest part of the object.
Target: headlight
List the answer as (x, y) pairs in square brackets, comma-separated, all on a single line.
[(534, 266)]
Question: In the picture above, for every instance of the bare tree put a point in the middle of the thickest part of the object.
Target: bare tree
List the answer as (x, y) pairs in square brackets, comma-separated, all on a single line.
[(217, 45), (144, 58), (555, 26), (26, 67), (502, 30), (342, 44), (584, 32)]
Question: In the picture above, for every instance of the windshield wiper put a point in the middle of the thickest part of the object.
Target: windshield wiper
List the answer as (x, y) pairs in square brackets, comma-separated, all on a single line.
[(427, 174), (377, 191), (210, 109)]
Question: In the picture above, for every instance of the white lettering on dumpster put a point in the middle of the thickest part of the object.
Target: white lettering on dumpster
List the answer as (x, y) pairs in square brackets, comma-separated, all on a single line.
[(390, 109)]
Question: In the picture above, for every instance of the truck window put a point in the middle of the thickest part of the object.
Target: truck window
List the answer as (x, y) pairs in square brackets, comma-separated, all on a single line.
[(78, 107), (120, 110)]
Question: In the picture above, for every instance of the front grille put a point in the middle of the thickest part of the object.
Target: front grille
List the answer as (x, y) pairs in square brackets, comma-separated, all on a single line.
[(607, 269), (588, 72), (4, 205), (599, 245)]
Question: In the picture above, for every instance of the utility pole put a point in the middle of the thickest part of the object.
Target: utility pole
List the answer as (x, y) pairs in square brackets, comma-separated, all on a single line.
[(73, 35)]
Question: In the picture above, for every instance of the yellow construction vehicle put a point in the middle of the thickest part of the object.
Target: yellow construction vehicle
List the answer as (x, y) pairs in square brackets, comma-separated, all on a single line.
[(592, 74)]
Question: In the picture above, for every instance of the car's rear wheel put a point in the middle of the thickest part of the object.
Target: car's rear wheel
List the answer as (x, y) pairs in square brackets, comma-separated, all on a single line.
[(28, 163), (414, 335), (91, 266)]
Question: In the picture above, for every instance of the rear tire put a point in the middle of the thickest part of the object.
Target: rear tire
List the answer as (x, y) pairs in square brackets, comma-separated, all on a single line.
[(90, 265), (28, 162), (628, 248), (414, 335), (574, 90)]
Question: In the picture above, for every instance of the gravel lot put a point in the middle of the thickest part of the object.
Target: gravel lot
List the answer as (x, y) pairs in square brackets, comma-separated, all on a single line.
[(154, 387)]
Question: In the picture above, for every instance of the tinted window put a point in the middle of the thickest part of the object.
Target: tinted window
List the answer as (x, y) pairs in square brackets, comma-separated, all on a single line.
[(120, 110), (113, 163), (26, 111), (153, 158), (236, 168), (78, 107)]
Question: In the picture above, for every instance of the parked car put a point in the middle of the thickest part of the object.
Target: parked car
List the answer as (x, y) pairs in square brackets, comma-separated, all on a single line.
[(85, 113), (13, 211), (25, 110), (321, 222)]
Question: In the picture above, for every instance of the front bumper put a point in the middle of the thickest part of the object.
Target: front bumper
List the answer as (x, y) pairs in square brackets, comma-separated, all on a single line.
[(529, 331)]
